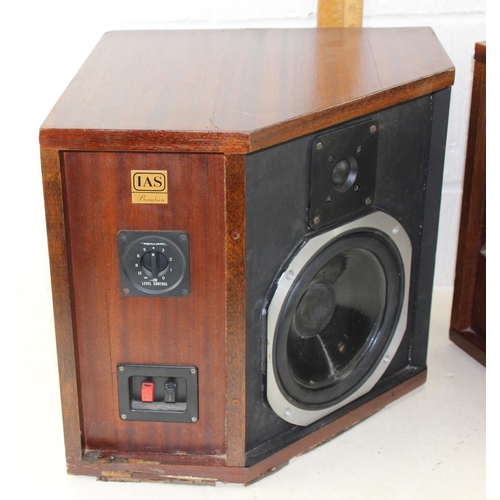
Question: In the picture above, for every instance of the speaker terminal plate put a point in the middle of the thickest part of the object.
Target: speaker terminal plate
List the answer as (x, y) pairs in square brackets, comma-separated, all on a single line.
[(158, 393)]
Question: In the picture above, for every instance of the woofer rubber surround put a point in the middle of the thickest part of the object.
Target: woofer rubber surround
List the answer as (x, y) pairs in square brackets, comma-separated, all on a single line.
[(323, 350)]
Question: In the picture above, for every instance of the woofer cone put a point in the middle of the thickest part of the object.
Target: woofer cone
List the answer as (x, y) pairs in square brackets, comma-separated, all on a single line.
[(338, 319)]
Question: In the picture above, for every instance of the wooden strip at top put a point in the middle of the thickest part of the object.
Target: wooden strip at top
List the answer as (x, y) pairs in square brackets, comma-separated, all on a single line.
[(340, 13), (330, 13), (214, 90)]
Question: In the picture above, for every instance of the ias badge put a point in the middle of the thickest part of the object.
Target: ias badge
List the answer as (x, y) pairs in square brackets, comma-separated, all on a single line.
[(149, 186)]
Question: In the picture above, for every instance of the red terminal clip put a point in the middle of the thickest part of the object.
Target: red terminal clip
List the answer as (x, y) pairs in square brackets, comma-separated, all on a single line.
[(147, 392)]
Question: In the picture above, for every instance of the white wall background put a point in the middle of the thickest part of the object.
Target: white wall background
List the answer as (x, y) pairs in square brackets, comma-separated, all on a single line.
[(458, 24), (44, 44)]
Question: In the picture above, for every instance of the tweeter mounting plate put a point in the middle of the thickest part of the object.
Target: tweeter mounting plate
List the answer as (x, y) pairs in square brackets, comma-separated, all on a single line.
[(343, 171)]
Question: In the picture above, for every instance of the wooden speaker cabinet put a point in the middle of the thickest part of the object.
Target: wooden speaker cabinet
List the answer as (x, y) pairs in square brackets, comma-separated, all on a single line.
[(468, 317), (242, 227)]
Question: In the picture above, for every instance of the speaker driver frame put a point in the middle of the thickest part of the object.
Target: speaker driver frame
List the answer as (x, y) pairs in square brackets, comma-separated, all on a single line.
[(284, 406)]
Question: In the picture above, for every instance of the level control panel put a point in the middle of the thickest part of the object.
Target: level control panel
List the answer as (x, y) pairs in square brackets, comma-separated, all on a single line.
[(154, 263)]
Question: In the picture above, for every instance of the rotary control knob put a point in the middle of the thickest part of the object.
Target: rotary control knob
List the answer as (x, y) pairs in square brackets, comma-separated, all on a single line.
[(154, 263)]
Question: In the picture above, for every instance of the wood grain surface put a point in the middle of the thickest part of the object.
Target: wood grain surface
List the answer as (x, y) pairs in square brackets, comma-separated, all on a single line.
[(235, 308), (112, 328), (67, 356), (238, 90), (468, 316)]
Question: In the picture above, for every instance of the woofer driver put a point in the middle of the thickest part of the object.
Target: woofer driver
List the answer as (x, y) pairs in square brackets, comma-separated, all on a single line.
[(337, 317)]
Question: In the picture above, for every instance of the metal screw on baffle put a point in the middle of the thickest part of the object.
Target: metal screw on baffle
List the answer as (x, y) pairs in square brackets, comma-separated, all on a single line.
[(182, 237), (331, 158), (317, 219), (184, 292), (123, 237), (373, 129), (126, 291), (194, 419), (121, 368), (319, 145), (123, 416), (368, 201), (193, 370)]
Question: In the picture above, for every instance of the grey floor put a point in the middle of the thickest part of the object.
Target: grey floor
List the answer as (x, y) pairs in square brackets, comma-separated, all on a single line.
[(428, 445)]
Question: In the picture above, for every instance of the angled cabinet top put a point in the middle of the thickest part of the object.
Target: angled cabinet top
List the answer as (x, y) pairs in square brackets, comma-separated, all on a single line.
[(237, 91)]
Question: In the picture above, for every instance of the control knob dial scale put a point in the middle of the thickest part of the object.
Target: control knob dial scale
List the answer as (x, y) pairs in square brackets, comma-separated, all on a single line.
[(154, 263)]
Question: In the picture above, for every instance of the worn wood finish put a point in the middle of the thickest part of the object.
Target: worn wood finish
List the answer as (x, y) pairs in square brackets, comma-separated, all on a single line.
[(127, 468), (67, 355), (139, 90), (468, 319), (235, 308), (112, 328)]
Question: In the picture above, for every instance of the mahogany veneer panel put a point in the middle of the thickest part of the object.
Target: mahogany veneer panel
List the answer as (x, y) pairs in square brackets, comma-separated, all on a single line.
[(134, 329)]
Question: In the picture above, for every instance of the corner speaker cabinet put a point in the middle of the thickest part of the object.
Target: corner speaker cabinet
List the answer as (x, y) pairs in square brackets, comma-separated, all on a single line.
[(468, 314), (242, 229)]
